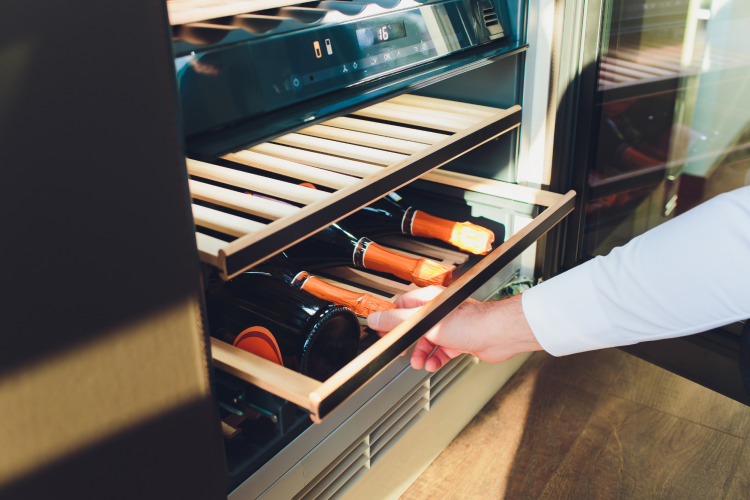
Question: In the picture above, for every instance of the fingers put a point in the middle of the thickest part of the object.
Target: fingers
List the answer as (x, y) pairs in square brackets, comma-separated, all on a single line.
[(438, 359), (420, 353), (406, 305), (386, 321), (423, 356), (418, 297)]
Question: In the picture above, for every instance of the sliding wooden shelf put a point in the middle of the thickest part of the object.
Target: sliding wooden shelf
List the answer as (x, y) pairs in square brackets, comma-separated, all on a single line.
[(354, 160), (320, 398), (361, 158)]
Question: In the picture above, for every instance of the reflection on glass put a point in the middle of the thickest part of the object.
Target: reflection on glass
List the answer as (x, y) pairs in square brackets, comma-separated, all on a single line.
[(674, 114)]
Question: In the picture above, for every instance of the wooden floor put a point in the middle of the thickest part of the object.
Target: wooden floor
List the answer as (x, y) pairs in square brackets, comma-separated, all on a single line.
[(601, 425)]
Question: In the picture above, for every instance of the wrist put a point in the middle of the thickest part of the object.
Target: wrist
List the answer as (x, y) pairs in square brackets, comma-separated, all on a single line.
[(512, 332)]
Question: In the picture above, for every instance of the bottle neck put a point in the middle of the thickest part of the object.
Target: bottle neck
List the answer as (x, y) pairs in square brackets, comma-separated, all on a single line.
[(422, 272), (464, 235), (363, 304), (407, 221)]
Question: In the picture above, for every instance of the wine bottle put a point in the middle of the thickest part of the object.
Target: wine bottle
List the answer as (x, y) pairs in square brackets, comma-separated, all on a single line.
[(264, 315), (388, 216), (340, 245), (363, 304)]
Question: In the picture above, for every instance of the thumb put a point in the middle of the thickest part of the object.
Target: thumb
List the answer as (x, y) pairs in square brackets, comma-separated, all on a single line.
[(386, 321)]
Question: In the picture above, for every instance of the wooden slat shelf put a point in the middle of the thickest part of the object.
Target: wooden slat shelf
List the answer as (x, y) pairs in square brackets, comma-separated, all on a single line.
[(360, 159), (354, 160), (320, 398)]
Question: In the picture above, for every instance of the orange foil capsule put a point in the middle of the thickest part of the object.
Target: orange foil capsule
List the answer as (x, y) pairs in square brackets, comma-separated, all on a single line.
[(464, 235), (363, 304), (421, 272)]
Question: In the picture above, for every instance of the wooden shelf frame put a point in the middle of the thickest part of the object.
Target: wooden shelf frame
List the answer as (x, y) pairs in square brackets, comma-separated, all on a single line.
[(362, 159), (321, 398)]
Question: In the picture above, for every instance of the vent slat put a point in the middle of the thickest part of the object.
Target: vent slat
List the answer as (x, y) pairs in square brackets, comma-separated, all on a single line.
[(396, 413), (445, 389), (420, 387), (339, 481), (349, 483), (338, 466), (445, 370), (375, 457), (455, 370), (397, 426)]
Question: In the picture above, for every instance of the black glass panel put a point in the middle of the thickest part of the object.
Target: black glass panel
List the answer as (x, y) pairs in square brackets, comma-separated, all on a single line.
[(672, 117)]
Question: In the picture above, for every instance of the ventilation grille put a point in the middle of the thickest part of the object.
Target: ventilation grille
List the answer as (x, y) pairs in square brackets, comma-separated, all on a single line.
[(491, 20), (346, 469)]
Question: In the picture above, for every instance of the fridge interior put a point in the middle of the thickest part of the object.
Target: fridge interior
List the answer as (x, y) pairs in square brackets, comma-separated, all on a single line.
[(258, 424)]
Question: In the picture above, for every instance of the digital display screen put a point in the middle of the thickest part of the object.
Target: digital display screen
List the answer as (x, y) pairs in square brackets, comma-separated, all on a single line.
[(374, 35)]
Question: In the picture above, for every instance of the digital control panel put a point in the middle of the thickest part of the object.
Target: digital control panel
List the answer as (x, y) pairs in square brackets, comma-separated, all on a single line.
[(372, 35), (233, 83)]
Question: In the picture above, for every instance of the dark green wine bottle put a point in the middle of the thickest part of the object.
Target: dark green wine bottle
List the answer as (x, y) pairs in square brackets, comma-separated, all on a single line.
[(264, 315)]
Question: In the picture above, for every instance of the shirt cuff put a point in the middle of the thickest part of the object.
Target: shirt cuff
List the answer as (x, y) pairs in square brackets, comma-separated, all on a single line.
[(565, 316)]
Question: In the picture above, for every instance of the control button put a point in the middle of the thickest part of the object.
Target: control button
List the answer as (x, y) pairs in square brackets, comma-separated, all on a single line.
[(354, 65), (296, 82), (374, 60), (344, 70), (329, 49), (316, 45), (386, 57)]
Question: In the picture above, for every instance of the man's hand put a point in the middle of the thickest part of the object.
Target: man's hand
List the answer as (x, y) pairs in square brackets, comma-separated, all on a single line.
[(491, 331)]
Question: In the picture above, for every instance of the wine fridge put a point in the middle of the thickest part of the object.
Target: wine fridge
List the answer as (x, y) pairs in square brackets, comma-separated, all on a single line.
[(202, 210)]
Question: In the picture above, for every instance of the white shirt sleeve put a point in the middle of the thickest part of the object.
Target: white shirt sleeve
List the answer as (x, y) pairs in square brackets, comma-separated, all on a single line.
[(685, 276)]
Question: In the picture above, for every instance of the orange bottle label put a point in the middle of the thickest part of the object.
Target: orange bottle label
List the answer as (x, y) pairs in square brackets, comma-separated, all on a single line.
[(363, 304), (465, 235), (259, 341), (421, 272)]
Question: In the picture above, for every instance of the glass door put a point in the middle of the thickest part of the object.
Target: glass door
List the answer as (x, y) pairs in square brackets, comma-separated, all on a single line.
[(668, 126), (654, 119)]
